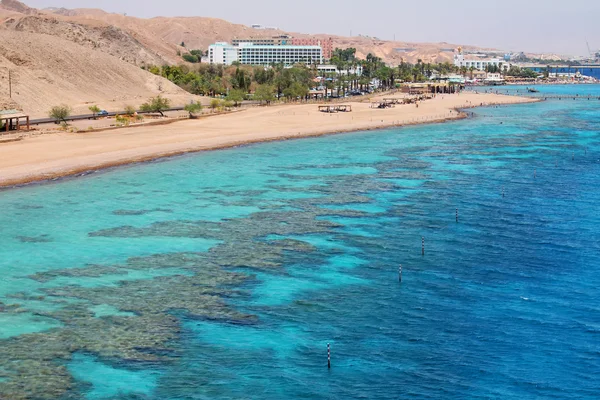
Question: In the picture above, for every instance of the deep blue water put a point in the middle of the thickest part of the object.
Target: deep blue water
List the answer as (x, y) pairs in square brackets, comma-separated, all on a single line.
[(223, 275)]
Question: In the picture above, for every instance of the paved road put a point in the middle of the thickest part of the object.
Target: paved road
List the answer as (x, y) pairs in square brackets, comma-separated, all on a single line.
[(89, 116)]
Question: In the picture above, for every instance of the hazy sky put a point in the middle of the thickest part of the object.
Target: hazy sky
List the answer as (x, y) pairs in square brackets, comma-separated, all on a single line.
[(527, 25)]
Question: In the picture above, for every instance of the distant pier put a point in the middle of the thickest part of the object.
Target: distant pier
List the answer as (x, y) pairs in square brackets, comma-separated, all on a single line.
[(559, 97)]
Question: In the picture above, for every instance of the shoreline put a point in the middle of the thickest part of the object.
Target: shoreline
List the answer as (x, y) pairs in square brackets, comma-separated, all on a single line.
[(187, 136)]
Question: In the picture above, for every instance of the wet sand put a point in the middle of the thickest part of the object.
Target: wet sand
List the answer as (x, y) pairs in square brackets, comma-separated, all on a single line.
[(51, 156)]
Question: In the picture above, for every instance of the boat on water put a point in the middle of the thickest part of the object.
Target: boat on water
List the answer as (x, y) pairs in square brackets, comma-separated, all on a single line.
[(532, 90)]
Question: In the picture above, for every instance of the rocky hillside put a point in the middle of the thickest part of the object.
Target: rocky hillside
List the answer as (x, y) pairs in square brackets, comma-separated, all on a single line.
[(157, 40), (17, 7), (98, 36), (200, 32), (48, 71)]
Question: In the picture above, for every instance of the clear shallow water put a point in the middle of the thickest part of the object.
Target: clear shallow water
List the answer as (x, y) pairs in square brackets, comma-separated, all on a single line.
[(225, 274)]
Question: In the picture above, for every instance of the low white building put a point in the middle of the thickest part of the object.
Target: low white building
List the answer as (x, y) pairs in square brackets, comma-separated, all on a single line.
[(494, 79), (222, 53), (332, 69)]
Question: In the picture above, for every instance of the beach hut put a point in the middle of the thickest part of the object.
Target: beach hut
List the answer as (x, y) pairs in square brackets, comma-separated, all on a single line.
[(13, 120)]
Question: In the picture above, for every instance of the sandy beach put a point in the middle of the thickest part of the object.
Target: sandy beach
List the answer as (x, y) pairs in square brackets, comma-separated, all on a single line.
[(50, 156)]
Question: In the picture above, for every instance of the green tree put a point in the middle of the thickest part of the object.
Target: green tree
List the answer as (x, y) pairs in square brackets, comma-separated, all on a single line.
[(191, 58), (60, 113), (214, 104), (265, 93), (130, 110), (236, 96), (154, 69), (193, 108), (156, 104), (94, 109), (295, 91)]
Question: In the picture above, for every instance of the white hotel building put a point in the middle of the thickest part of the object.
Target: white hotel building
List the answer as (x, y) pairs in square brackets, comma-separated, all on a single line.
[(477, 63), (251, 54)]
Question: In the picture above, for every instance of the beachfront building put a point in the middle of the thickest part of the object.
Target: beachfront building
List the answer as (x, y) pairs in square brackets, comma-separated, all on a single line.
[(286, 40), (325, 44), (263, 54), (480, 64), (475, 62), (494, 79), (251, 54), (332, 69), (264, 41), (222, 53)]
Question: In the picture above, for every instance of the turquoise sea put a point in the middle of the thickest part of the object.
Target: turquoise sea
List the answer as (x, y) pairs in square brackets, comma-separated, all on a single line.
[(225, 274)]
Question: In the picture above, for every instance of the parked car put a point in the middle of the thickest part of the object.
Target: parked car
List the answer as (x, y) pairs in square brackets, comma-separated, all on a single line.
[(103, 113)]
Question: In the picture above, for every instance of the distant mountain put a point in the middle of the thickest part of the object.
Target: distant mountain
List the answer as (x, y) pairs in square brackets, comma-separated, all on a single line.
[(16, 6), (164, 35)]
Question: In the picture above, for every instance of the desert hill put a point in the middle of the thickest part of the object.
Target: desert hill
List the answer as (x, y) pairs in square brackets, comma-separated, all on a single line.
[(163, 36), (85, 56), (200, 32), (47, 71), (53, 62)]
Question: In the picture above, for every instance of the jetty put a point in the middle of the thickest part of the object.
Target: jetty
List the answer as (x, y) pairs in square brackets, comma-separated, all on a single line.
[(559, 97)]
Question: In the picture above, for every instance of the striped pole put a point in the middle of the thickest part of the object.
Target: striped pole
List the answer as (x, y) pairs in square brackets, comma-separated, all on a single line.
[(422, 245), (400, 273), (457, 215), (502, 191), (328, 355)]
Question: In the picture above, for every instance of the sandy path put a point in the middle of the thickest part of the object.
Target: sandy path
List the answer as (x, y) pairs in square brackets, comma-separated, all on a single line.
[(49, 156)]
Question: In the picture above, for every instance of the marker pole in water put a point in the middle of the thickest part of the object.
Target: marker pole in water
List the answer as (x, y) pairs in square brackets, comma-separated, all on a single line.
[(573, 157), (400, 273), (534, 173), (502, 191), (422, 245), (457, 215), (328, 355)]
